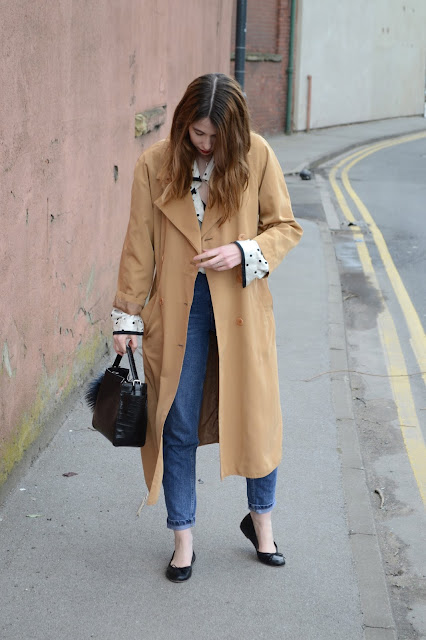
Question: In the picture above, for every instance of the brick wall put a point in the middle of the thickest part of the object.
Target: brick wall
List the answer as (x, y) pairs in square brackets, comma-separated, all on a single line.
[(267, 40)]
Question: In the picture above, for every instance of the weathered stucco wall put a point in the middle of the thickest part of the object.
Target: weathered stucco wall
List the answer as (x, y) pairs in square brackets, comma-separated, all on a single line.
[(73, 76), (366, 59)]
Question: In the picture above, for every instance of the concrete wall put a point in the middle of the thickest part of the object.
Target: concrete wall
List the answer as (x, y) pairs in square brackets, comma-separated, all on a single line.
[(367, 60), (73, 76)]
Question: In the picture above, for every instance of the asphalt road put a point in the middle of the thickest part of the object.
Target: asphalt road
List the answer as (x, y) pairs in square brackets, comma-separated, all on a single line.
[(392, 184), (376, 205)]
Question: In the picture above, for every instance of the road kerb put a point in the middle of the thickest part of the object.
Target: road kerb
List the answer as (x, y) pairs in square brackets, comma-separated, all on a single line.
[(374, 598), (379, 634), (335, 153)]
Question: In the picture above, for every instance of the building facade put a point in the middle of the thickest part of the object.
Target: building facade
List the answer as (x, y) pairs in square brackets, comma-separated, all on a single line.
[(366, 61), (267, 49)]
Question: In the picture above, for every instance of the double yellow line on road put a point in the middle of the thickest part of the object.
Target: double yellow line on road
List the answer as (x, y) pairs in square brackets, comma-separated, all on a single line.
[(395, 362)]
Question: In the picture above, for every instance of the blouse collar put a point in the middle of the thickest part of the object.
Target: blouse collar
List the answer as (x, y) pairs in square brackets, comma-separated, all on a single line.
[(207, 173)]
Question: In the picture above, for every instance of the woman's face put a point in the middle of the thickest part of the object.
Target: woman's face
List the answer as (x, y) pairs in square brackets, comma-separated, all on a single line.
[(202, 134)]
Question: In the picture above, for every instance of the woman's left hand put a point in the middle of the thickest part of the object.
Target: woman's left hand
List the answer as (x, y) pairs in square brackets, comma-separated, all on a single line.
[(222, 258)]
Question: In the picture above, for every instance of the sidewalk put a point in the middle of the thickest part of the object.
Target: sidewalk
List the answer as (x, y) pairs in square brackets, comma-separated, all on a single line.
[(87, 567), (302, 150)]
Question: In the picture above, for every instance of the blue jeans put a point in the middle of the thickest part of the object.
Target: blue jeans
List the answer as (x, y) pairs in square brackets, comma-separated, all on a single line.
[(180, 437)]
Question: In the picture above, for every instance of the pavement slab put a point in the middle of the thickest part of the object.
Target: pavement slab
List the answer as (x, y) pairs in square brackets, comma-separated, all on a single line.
[(304, 149), (87, 567)]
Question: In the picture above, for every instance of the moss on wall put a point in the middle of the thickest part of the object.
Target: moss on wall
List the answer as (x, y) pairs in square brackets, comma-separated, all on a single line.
[(51, 393)]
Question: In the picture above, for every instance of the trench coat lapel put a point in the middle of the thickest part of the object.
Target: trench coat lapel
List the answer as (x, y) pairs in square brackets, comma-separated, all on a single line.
[(211, 217), (181, 214)]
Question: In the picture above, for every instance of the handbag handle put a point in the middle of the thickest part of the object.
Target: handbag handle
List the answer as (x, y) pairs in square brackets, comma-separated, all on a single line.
[(132, 363), (117, 361)]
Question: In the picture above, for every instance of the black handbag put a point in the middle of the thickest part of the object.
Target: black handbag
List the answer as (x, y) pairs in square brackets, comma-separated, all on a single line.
[(119, 405)]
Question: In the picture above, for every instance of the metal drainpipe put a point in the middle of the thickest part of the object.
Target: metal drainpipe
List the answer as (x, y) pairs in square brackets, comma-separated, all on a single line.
[(290, 68), (240, 42)]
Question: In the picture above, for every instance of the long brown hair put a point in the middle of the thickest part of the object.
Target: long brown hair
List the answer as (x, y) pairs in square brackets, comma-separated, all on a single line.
[(218, 97)]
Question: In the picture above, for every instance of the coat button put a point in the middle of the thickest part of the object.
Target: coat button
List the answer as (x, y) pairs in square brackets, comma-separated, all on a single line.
[(161, 301), (240, 322), (242, 236)]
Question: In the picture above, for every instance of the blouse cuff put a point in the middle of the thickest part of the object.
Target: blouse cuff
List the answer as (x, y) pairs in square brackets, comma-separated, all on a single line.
[(253, 262), (125, 323)]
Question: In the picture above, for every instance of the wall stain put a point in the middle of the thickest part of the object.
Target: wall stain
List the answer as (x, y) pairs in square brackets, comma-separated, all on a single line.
[(90, 282), (52, 391), (6, 361)]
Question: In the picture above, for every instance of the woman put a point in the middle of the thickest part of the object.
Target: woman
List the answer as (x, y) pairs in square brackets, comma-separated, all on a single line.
[(210, 219)]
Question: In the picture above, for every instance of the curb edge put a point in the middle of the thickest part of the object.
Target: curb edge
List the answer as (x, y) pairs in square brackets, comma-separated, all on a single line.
[(375, 603), (314, 164)]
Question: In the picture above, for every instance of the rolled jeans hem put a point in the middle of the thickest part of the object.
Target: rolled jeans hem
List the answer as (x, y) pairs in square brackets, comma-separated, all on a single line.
[(257, 508), (180, 525)]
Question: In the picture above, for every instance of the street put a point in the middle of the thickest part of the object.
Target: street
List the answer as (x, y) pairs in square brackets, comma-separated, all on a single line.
[(131, 140), (392, 184), (382, 260), (77, 561)]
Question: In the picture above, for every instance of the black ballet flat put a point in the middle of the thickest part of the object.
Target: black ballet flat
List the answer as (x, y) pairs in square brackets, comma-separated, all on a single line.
[(272, 559), (179, 574)]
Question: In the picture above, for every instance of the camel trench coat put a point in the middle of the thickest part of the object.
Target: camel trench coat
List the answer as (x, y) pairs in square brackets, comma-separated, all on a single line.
[(241, 404)]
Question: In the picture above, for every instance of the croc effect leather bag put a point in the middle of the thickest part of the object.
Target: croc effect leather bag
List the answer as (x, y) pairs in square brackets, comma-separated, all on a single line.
[(120, 404)]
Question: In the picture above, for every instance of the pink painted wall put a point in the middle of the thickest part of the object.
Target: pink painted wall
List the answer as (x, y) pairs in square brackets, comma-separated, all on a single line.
[(73, 75)]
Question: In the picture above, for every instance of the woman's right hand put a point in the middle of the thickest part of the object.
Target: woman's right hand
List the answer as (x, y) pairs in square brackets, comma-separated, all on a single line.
[(121, 340)]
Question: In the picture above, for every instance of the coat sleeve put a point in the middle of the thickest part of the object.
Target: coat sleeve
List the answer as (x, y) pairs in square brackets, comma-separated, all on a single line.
[(137, 258), (278, 231)]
